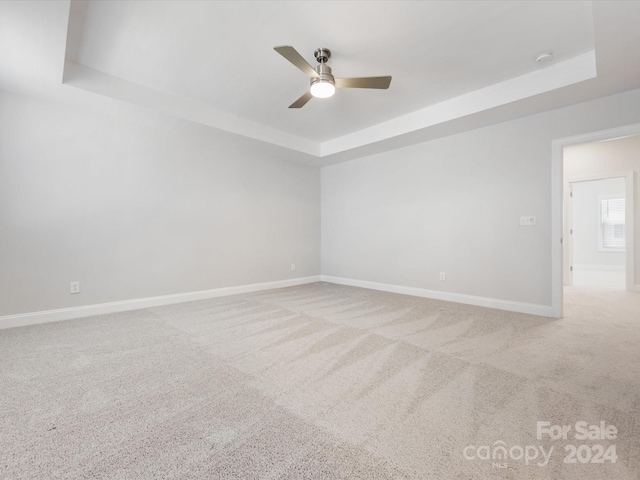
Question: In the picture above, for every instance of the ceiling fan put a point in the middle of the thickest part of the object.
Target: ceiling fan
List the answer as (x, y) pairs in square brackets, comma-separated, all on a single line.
[(323, 83)]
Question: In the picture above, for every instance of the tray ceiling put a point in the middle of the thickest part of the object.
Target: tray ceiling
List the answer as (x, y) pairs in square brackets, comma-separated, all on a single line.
[(455, 65)]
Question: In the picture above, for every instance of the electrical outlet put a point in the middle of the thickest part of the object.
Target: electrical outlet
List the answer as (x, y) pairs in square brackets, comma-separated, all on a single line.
[(293, 267), (443, 277), (527, 221), (74, 287)]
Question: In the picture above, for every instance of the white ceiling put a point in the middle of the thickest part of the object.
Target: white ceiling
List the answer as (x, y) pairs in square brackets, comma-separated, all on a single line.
[(221, 53), (212, 62)]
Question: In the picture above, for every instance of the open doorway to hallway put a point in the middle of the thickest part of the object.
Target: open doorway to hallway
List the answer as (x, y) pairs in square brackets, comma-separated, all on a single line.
[(599, 221), (591, 156)]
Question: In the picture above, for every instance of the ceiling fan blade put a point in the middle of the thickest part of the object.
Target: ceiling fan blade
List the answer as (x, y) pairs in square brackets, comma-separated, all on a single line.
[(301, 101), (294, 57), (364, 82)]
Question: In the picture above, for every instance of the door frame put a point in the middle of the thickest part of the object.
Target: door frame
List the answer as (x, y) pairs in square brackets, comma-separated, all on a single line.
[(557, 186), (629, 217)]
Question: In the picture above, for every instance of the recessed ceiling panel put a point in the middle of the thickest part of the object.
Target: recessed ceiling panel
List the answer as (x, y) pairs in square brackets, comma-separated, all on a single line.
[(220, 54)]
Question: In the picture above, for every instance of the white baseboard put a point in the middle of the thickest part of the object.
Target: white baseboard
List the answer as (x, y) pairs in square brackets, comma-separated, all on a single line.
[(617, 268), (23, 319), (530, 308)]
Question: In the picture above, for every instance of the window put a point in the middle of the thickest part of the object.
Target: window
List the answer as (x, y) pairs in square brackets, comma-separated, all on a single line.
[(611, 225)]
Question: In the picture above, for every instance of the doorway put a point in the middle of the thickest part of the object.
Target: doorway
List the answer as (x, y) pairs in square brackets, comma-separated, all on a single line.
[(597, 168), (595, 233)]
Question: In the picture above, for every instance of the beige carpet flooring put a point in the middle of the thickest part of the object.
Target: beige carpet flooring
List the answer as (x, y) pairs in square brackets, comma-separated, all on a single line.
[(320, 382)]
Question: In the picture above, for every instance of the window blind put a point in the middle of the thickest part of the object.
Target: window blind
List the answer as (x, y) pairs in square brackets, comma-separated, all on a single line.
[(612, 223)]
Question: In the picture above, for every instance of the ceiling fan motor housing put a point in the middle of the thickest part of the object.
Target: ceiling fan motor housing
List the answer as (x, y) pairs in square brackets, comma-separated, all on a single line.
[(325, 74)]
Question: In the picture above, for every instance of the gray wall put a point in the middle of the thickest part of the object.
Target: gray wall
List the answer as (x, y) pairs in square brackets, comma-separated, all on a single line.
[(133, 212), (453, 205), (585, 222)]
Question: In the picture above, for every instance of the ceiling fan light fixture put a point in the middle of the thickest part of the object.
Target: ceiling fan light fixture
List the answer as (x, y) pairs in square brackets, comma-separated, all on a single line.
[(322, 88), (323, 84)]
